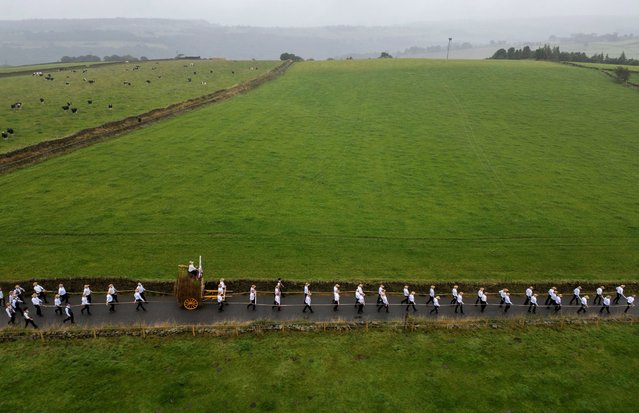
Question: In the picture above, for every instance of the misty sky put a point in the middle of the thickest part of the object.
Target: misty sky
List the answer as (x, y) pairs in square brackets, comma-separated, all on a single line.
[(315, 12)]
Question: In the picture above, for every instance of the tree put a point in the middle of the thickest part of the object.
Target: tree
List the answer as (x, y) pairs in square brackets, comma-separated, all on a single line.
[(622, 74), (526, 53), (385, 55), (500, 54), (291, 56)]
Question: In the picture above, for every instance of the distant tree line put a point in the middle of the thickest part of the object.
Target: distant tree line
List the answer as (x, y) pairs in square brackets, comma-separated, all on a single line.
[(553, 53), (93, 58), (291, 56)]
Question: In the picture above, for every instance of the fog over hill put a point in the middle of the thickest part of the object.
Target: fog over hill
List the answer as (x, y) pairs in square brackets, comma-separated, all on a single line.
[(47, 40)]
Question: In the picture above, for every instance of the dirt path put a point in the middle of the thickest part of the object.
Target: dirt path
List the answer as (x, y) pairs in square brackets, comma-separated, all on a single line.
[(48, 149)]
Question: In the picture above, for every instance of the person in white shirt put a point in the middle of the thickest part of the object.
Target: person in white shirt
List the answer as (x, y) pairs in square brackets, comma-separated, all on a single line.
[(85, 305), (220, 296), (620, 295), (141, 301), (307, 289), (507, 303), (630, 300), (58, 304), (27, 319), (87, 293), (69, 312), (484, 301), (384, 303), (454, 293), (359, 291), (533, 304), (584, 304), (480, 292), (411, 301), (192, 269), (223, 286), (62, 292), (11, 313), (110, 303), (435, 305), (336, 296), (18, 291), (460, 302), (605, 305), (37, 302), (529, 294), (140, 288), (379, 293), (558, 302), (40, 291), (252, 297), (599, 295), (307, 302), (361, 303), (2, 303), (502, 294), (277, 303), (406, 293), (114, 293), (576, 296), (551, 297), (431, 295), (15, 303)]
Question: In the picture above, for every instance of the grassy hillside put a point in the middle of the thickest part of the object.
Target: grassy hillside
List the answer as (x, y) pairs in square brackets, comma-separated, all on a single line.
[(400, 169), (453, 371), (167, 83)]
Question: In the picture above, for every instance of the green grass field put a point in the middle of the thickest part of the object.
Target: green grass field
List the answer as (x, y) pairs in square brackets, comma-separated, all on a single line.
[(401, 169), (454, 371), (46, 67), (169, 84)]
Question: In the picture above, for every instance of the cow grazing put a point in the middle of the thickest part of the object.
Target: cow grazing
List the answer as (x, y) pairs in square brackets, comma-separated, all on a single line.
[(17, 105), (5, 135), (67, 83), (189, 80), (148, 81), (10, 131), (89, 101), (74, 110), (65, 107), (41, 100), (110, 106), (91, 81)]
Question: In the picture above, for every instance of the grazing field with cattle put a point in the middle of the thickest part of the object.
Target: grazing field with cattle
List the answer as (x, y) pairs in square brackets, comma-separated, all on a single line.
[(57, 102), (508, 369), (394, 169)]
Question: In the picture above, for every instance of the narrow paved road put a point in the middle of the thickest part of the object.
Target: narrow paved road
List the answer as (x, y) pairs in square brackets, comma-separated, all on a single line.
[(164, 309)]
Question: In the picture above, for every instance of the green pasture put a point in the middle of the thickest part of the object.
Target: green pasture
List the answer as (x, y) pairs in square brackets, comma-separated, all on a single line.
[(397, 169), (169, 84), (604, 66), (454, 371), (46, 67)]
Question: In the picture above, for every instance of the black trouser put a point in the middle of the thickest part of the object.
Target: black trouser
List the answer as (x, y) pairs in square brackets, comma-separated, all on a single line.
[(483, 306), (527, 300), (360, 308), (506, 308), (58, 310), (12, 320), (141, 295), (115, 297), (405, 300), (307, 306), (2, 304), (557, 308), (275, 304), (140, 305), (28, 321), (18, 309), (193, 273), (582, 308), (430, 299), (411, 304), (336, 305), (112, 308), (548, 300), (43, 297), (38, 310), (220, 305), (435, 309), (605, 307), (501, 302), (576, 299), (617, 298), (379, 307), (533, 307), (460, 307), (627, 308), (86, 307), (89, 298), (454, 300), (379, 298), (252, 303), (598, 299), (64, 298), (69, 318)]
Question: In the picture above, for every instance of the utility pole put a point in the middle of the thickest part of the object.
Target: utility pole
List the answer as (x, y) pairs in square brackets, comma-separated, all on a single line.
[(450, 39)]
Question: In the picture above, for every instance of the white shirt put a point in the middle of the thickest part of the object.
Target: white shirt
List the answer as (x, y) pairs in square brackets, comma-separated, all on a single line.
[(38, 289), (533, 300), (360, 289), (220, 298), (223, 285), (252, 294), (358, 295), (502, 293), (630, 300), (584, 301), (306, 289), (454, 292), (480, 293), (57, 301), (557, 300), (140, 288), (36, 301), (606, 301), (379, 290), (551, 291), (1, 293), (431, 292), (307, 300), (459, 299), (384, 299), (336, 297), (26, 316), (67, 310), (435, 302), (529, 292), (86, 291), (62, 291), (220, 290), (10, 311), (277, 298), (111, 290), (406, 292), (411, 298), (599, 291), (85, 300), (137, 296), (620, 290), (109, 298), (507, 300), (335, 290), (361, 299), (191, 268), (576, 291), (553, 296), (277, 291), (483, 298)]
